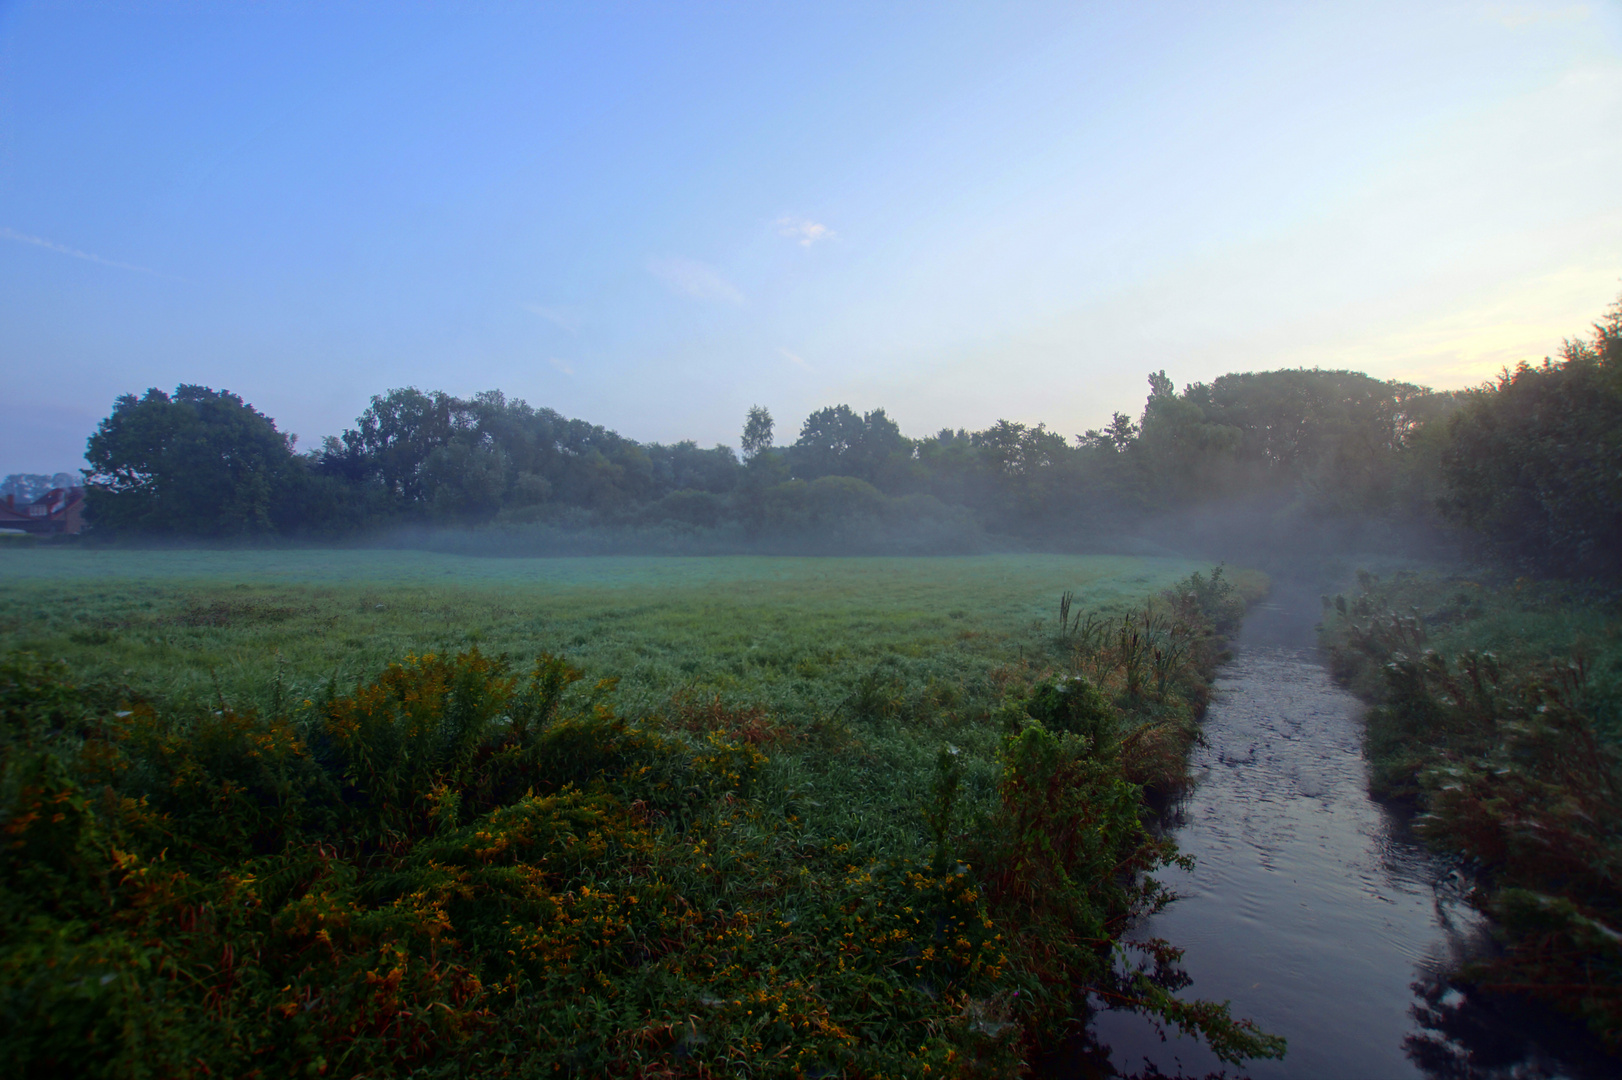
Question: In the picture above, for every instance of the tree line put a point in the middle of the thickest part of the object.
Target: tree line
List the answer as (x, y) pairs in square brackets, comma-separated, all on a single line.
[(26, 487), (1528, 462)]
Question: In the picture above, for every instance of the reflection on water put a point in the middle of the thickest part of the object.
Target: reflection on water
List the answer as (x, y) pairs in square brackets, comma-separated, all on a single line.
[(1311, 908), (1478, 1036)]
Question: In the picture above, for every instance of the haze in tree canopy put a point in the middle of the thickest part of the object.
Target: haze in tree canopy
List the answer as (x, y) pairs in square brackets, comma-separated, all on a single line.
[(1527, 463), (657, 222)]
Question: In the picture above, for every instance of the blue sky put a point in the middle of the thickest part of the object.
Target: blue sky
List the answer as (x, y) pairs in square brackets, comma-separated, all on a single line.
[(654, 216)]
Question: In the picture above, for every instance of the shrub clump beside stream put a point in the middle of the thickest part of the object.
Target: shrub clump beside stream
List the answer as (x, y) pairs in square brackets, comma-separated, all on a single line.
[(1512, 757), (458, 868)]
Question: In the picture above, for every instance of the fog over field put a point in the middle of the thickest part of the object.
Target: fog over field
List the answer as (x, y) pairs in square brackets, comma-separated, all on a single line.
[(836, 540)]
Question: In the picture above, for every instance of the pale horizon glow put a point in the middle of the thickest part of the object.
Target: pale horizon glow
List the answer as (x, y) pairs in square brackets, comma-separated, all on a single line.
[(652, 217)]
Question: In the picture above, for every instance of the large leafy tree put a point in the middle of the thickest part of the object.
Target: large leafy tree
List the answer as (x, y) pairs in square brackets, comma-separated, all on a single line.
[(415, 454), (1182, 455), (837, 441), (684, 466), (200, 463), (574, 462), (392, 441), (1337, 441), (1338, 438), (1534, 461)]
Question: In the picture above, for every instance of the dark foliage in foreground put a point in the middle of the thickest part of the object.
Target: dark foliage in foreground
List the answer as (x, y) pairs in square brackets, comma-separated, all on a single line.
[(455, 870)]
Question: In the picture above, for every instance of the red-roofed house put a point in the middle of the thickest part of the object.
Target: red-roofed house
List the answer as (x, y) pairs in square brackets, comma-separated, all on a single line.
[(60, 510)]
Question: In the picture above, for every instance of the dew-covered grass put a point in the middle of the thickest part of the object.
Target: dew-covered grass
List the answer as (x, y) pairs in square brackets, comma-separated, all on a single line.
[(791, 633), (876, 704), (932, 643)]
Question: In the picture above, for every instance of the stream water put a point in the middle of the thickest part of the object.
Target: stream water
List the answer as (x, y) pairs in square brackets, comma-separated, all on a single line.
[(1311, 908)]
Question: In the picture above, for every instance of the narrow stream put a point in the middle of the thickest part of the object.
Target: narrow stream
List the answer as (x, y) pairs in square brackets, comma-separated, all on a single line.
[(1311, 908)]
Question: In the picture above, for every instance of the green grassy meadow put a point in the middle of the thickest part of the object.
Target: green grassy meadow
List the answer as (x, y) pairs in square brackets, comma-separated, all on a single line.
[(798, 816), (790, 633), (937, 638)]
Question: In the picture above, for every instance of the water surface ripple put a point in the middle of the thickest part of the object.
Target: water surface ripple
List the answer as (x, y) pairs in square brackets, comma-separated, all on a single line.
[(1311, 908)]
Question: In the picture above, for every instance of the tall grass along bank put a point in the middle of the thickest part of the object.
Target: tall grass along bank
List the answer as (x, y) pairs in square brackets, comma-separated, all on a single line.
[(1499, 714)]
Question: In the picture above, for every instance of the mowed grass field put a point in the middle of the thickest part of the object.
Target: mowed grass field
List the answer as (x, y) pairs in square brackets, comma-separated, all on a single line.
[(793, 634)]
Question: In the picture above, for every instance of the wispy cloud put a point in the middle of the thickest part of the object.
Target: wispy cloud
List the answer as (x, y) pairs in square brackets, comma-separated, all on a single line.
[(1518, 15), (562, 365), (63, 249), (797, 361), (804, 230), (688, 278), (560, 317)]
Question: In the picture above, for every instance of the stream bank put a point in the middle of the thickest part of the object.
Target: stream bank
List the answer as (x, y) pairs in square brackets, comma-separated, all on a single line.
[(1311, 907)]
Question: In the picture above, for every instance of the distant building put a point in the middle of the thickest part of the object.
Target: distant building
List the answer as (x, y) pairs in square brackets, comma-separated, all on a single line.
[(60, 510)]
